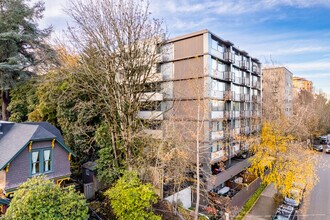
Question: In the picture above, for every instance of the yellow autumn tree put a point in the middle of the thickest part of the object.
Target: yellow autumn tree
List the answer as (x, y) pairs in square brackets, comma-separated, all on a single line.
[(283, 161)]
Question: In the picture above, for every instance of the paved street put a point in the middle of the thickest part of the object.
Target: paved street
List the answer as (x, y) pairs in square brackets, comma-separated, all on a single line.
[(317, 204)]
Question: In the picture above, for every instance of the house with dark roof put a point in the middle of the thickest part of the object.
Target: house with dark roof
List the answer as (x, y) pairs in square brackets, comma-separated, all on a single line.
[(31, 149)]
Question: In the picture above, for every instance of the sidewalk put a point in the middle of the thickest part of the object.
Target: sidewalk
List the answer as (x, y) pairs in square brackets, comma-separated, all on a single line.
[(264, 207)]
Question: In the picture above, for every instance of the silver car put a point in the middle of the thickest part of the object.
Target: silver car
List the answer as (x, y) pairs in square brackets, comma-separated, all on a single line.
[(327, 149)]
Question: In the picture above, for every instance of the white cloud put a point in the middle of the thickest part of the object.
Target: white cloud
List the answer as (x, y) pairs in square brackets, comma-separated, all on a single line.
[(315, 66), (231, 7), (316, 75)]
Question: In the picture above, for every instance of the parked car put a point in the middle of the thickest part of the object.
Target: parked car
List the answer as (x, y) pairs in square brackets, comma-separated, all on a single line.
[(327, 149), (285, 212), (294, 198), (323, 139), (318, 147)]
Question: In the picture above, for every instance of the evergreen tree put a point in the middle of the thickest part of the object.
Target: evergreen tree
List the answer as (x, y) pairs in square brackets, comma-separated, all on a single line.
[(22, 44)]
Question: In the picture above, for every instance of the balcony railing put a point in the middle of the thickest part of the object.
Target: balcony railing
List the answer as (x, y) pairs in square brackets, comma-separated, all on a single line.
[(244, 65), (219, 74), (237, 97), (215, 135), (228, 115), (236, 114), (228, 56), (229, 76), (256, 113), (246, 81), (217, 94), (228, 95), (238, 80), (256, 85), (242, 114), (217, 114), (255, 98), (218, 154), (255, 70)]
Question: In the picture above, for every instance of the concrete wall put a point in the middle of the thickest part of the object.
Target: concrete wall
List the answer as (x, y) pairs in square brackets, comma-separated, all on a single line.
[(19, 170), (183, 196)]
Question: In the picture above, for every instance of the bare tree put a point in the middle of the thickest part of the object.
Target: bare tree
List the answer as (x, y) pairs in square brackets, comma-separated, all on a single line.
[(117, 42)]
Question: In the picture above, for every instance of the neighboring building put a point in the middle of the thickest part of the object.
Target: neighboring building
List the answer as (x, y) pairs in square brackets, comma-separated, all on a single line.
[(31, 149), (300, 84), (277, 91), (202, 74)]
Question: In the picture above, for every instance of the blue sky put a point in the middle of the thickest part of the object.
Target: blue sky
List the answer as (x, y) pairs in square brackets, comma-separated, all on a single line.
[(292, 33)]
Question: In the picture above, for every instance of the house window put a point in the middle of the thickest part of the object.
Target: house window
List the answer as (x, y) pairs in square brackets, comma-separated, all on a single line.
[(41, 161), (35, 162)]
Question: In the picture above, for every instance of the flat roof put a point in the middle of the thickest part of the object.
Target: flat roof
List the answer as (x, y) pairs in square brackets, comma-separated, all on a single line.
[(201, 32), (280, 67)]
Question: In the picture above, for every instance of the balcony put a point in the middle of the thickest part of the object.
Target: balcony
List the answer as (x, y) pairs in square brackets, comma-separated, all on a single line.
[(256, 114), (228, 95), (228, 56), (236, 114), (255, 70), (245, 130), (218, 155), (258, 128), (255, 98), (229, 76), (236, 131), (217, 114), (228, 115), (237, 97), (246, 81), (218, 74), (151, 115), (244, 65), (238, 80), (217, 94), (216, 135), (256, 85)]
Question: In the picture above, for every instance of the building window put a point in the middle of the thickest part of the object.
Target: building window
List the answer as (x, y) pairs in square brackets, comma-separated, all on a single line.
[(41, 161), (218, 105), (217, 126)]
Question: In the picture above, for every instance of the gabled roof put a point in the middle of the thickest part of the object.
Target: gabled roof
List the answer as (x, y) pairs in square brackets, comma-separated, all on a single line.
[(16, 136)]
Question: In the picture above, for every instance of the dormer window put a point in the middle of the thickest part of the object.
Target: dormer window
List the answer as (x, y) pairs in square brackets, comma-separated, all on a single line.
[(41, 161)]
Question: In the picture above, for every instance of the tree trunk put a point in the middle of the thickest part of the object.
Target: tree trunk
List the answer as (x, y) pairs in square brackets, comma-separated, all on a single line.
[(197, 165), (5, 102)]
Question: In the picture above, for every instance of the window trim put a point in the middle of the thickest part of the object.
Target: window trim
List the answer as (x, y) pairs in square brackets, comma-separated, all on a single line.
[(42, 161)]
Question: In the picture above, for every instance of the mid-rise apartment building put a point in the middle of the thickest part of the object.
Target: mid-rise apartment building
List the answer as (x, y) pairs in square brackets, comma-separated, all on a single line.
[(300, 84), (277, 91), (211, 92)]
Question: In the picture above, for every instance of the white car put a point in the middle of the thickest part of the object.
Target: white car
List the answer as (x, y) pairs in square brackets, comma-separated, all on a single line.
[(294, 198)]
